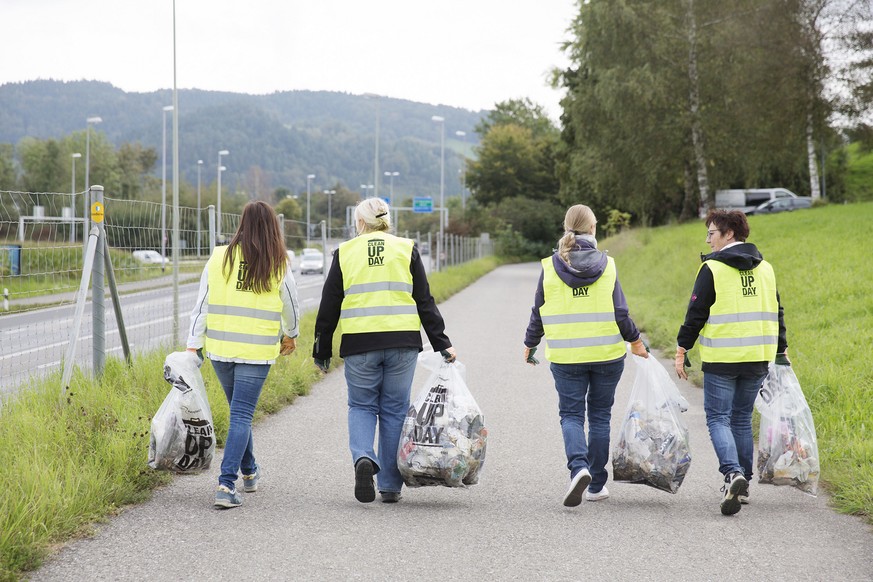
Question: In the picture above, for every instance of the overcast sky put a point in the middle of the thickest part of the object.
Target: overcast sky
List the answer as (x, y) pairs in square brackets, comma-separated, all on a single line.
[(464, 53)]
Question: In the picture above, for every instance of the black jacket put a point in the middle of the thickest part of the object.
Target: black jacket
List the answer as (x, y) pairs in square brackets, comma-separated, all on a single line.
[(743, 256), (358, 343)]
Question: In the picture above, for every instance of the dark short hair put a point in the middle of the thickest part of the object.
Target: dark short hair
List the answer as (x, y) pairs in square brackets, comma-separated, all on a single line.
[(733, 220)]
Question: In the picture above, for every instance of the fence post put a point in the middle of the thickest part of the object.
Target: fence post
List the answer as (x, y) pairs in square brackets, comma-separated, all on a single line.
[(98, 308), (211, 210), (281, 218)]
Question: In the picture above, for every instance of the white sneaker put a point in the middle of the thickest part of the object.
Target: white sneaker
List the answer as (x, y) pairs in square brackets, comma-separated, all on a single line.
[(578, 484), (599, 496)]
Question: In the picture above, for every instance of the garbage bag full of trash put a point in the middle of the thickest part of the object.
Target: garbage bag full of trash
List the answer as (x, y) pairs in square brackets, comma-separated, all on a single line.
[(652, 446), (787, 443), (182, 434), (443, 439)]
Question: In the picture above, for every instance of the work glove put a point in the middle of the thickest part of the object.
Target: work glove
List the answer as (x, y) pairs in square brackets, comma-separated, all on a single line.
[(782, 359), (199, 353), (323, 365), (639, 348), (448, 355), (529, 356), (289, 344), (681, 362)]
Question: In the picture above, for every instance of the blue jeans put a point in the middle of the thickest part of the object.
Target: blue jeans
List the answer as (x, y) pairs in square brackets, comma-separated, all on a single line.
[(728, 401), (379, 384), (242, 385), (593, 385)]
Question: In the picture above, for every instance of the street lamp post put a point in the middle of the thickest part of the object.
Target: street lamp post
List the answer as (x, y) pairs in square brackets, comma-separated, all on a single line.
[(86, 223), (391, 194), (164, 189), (442, 122), (330, 194), (73, 198), (218, 198), (364, 189), (378, 99), (309, 179), (199, 165), (463, 136)]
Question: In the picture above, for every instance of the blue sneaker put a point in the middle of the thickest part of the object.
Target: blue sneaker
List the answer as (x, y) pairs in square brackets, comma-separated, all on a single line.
[(250, 482), (226, 498)]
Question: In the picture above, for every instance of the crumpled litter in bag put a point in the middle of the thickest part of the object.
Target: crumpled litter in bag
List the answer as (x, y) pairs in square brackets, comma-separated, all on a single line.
[(182, 434), (443, 439), (787, 443), (652, 446)]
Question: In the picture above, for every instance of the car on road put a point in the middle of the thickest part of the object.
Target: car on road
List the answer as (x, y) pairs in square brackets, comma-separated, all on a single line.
[(149, 257), (782, 205), (311, 261)]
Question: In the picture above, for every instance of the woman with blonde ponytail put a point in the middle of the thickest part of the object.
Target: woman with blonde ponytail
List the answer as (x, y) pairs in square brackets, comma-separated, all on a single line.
[(581, 310)]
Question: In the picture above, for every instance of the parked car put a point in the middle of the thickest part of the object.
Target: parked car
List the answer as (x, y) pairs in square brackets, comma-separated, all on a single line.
[(425, 249), (149, 257), (747, 200), (782, 205), (311, 261)]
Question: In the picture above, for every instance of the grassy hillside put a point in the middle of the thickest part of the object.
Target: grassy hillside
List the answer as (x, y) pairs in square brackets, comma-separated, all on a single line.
[(824, 274)]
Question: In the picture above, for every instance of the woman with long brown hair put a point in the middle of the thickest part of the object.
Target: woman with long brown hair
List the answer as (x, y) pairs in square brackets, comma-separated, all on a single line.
[(245, 316)]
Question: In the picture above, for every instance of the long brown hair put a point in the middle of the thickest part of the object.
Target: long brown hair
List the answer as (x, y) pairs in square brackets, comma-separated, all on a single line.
[(261, 245)]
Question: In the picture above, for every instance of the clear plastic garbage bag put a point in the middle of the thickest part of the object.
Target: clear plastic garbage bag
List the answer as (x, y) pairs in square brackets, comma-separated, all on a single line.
[(444, 436), (787, 443), (652, 446), (182, 434)]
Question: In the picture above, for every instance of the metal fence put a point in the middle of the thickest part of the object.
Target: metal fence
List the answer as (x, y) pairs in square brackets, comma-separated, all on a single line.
[(42, 244)]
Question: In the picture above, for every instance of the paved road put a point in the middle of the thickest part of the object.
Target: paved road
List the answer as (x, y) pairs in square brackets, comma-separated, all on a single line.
[(304, 523)]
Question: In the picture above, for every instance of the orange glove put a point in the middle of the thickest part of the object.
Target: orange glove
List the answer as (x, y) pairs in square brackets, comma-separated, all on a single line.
[(289, 344), (681, 362), (638, 348)]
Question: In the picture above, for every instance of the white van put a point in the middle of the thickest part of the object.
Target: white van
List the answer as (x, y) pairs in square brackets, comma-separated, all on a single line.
[(747, 199)]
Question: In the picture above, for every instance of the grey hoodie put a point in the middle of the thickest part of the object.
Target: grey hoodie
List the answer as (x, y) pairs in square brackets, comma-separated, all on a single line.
[(586, 266)]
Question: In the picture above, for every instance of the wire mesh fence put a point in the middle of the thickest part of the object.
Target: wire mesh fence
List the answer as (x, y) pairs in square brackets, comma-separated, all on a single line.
[(42, 242)]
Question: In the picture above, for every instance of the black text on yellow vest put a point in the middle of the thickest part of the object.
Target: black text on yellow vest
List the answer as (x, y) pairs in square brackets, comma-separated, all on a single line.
[(743, 324), (239, 322), (579, 323), (377, 284)]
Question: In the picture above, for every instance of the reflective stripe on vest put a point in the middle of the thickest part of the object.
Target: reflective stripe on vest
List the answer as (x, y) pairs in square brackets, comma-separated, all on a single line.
[(377, 284), (579, 323), (241, 324), (743, 324)]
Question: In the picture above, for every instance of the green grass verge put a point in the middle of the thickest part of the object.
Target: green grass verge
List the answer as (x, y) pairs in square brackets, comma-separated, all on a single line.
[(69, 464), (824, 274)]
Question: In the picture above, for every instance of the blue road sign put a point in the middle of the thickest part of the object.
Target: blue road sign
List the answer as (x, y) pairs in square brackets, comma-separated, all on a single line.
[(422, 204)]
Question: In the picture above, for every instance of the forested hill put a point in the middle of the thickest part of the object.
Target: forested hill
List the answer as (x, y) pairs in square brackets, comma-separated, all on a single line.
[(280, 137)]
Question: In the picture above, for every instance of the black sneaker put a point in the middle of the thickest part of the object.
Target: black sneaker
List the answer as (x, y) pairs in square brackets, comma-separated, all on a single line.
[(390, 496), (734, 485), (365, 491)]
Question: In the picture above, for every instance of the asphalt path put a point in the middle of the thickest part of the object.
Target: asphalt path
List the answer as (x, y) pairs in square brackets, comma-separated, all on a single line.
[(304, 523)]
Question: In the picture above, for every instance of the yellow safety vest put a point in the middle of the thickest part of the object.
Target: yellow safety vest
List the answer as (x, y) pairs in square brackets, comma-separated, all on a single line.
[(241, 323), (743, 324), (377, 284), (579, 322)]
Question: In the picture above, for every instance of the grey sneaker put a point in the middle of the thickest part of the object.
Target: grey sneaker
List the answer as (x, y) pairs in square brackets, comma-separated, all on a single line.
[(734, 484), (390, 496), (578, 484), (226, 498), (743, 495), (250, 482)]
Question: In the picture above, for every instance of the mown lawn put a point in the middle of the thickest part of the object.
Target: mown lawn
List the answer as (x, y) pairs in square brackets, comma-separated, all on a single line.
[(825, 278)]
